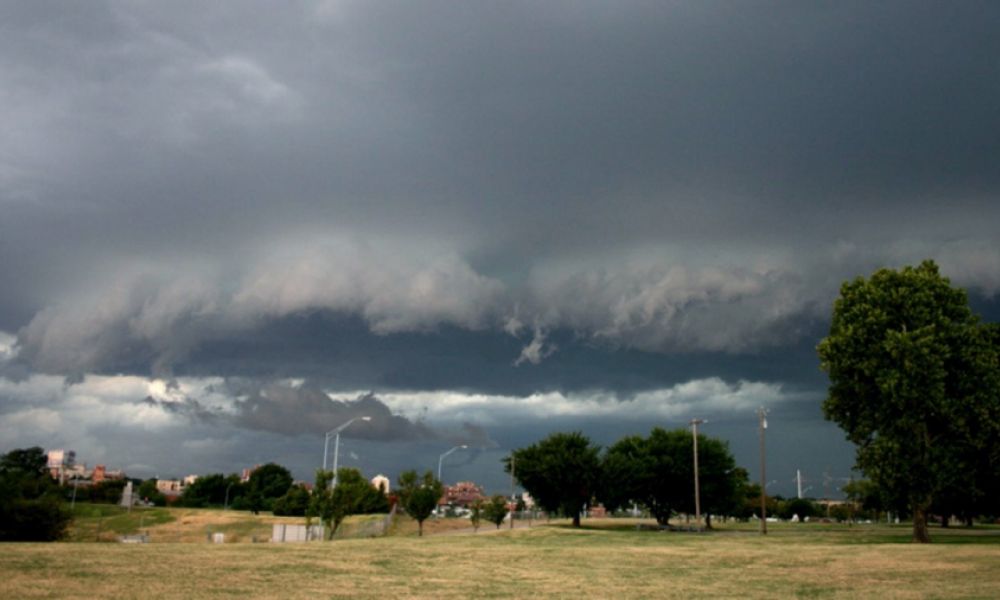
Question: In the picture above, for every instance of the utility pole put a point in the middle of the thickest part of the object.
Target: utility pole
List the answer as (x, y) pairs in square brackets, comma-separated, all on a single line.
[(513, 502), (761, 427), (697, 498), (798, 482)]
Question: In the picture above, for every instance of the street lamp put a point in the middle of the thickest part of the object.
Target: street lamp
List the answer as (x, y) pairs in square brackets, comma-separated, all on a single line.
[(697, 499), (441, 458), (336, 446), (761, 428)]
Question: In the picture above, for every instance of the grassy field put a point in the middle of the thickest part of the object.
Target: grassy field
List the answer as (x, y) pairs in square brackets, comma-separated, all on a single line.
[(607, 559), (107, 522)]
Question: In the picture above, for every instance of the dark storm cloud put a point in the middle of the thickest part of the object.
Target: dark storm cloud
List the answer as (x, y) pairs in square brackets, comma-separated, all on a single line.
[(306, 409), (489, 197), (656, 176), (297, 410)]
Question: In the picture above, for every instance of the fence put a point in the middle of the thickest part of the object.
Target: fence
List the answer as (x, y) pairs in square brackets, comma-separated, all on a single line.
[(366, 526)]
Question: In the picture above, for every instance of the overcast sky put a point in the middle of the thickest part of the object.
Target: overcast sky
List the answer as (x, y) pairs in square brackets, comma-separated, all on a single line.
[(226, 228)]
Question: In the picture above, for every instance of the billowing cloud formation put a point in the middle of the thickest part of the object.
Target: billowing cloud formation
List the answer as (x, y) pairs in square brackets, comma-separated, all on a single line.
[(155, 316), (572, 188)]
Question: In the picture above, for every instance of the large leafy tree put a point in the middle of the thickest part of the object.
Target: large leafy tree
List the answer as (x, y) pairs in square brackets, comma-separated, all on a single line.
[(294, 503), (913, 382), (658, 472), (561, 472), (419, 495), (271, 481), (31, 508)]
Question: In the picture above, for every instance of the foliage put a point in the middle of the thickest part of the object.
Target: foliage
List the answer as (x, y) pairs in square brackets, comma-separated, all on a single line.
[(658, 472), (108, 491), (561, 472), (353, 495), (798, 506), (419, 496), (476, 513), (915, 383), (294, 503), (864, 496), (147, 491), (495, 511), (211, 490), (269, 482), (31, 508), (321, 499)]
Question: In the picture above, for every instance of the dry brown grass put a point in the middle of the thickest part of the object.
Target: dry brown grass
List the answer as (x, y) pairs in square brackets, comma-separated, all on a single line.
[(545, 561)]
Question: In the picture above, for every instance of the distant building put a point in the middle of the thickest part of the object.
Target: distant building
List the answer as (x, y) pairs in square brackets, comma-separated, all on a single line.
[(245, 476), (463, 494), (381, 482), (59, 461), (170, 487)]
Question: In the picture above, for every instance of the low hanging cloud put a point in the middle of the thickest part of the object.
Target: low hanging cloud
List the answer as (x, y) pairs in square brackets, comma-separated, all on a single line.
[(51, 403), (697, 397), (147, 317)]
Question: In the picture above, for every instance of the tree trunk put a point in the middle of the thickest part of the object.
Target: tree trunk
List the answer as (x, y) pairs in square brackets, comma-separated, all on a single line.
[(944, 521), (576, 519), (708, 521), (920, 534), (420, 529)]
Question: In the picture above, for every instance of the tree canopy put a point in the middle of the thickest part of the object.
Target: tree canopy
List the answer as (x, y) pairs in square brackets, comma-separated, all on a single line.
[(31, 508), (419, 495), (914, 384), (495, 510), (353, 495), (658, 472), (561, 472)]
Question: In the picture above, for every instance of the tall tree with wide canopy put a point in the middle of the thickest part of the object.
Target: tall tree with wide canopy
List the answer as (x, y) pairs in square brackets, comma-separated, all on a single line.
[(561, 472), (658, 472), (913, 382)]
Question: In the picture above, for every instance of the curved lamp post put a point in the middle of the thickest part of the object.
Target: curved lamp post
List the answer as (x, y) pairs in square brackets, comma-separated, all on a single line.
[(441, 458), (336, 446)]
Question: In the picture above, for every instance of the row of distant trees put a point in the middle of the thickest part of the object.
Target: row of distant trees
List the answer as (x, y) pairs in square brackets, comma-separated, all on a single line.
[(566, 472)]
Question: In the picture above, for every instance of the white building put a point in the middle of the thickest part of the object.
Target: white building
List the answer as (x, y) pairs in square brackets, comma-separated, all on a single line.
[(381, 481)]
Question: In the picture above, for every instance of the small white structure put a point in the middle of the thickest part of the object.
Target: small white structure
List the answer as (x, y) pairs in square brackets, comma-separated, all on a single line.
[(281, 532), (381, 482), (128, 498)]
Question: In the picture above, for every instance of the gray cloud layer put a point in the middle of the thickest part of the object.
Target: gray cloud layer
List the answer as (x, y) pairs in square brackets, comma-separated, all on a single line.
[(182, 185)]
